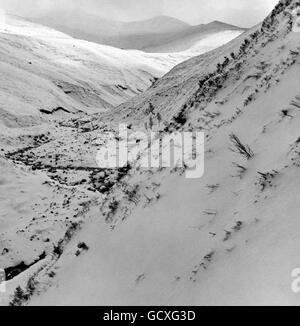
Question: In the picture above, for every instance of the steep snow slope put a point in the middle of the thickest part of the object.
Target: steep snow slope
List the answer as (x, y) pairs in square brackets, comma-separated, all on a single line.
[(231, 237), (174, 89)]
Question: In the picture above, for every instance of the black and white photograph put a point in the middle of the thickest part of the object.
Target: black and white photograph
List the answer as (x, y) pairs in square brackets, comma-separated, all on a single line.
[(149, 155)]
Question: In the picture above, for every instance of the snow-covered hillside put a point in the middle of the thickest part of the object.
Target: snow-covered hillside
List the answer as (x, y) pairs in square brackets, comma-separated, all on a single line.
[(80, 235), (191, 37), (54, 71), (172, 42)]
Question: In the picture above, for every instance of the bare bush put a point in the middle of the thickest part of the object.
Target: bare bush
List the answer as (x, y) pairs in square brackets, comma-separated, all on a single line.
[(296, 102), (240, 148)]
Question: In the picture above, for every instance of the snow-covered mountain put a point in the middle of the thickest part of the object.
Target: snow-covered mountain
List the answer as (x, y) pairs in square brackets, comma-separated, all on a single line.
[(75, 234), (159, 34), (55, 71), (189, 38), (101, 28)]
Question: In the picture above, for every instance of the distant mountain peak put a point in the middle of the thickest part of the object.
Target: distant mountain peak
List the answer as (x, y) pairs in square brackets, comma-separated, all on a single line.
[(158, 24), (168, 19), (218, 23)]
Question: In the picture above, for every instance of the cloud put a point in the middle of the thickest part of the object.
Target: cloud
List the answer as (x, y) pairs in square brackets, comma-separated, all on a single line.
[(239, 12)]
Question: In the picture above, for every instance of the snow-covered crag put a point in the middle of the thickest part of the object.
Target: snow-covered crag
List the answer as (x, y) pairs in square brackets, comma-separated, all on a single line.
[(131, 236)]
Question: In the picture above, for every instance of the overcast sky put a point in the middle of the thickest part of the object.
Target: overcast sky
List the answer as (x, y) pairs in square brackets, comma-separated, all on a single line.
[(239, 12)]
